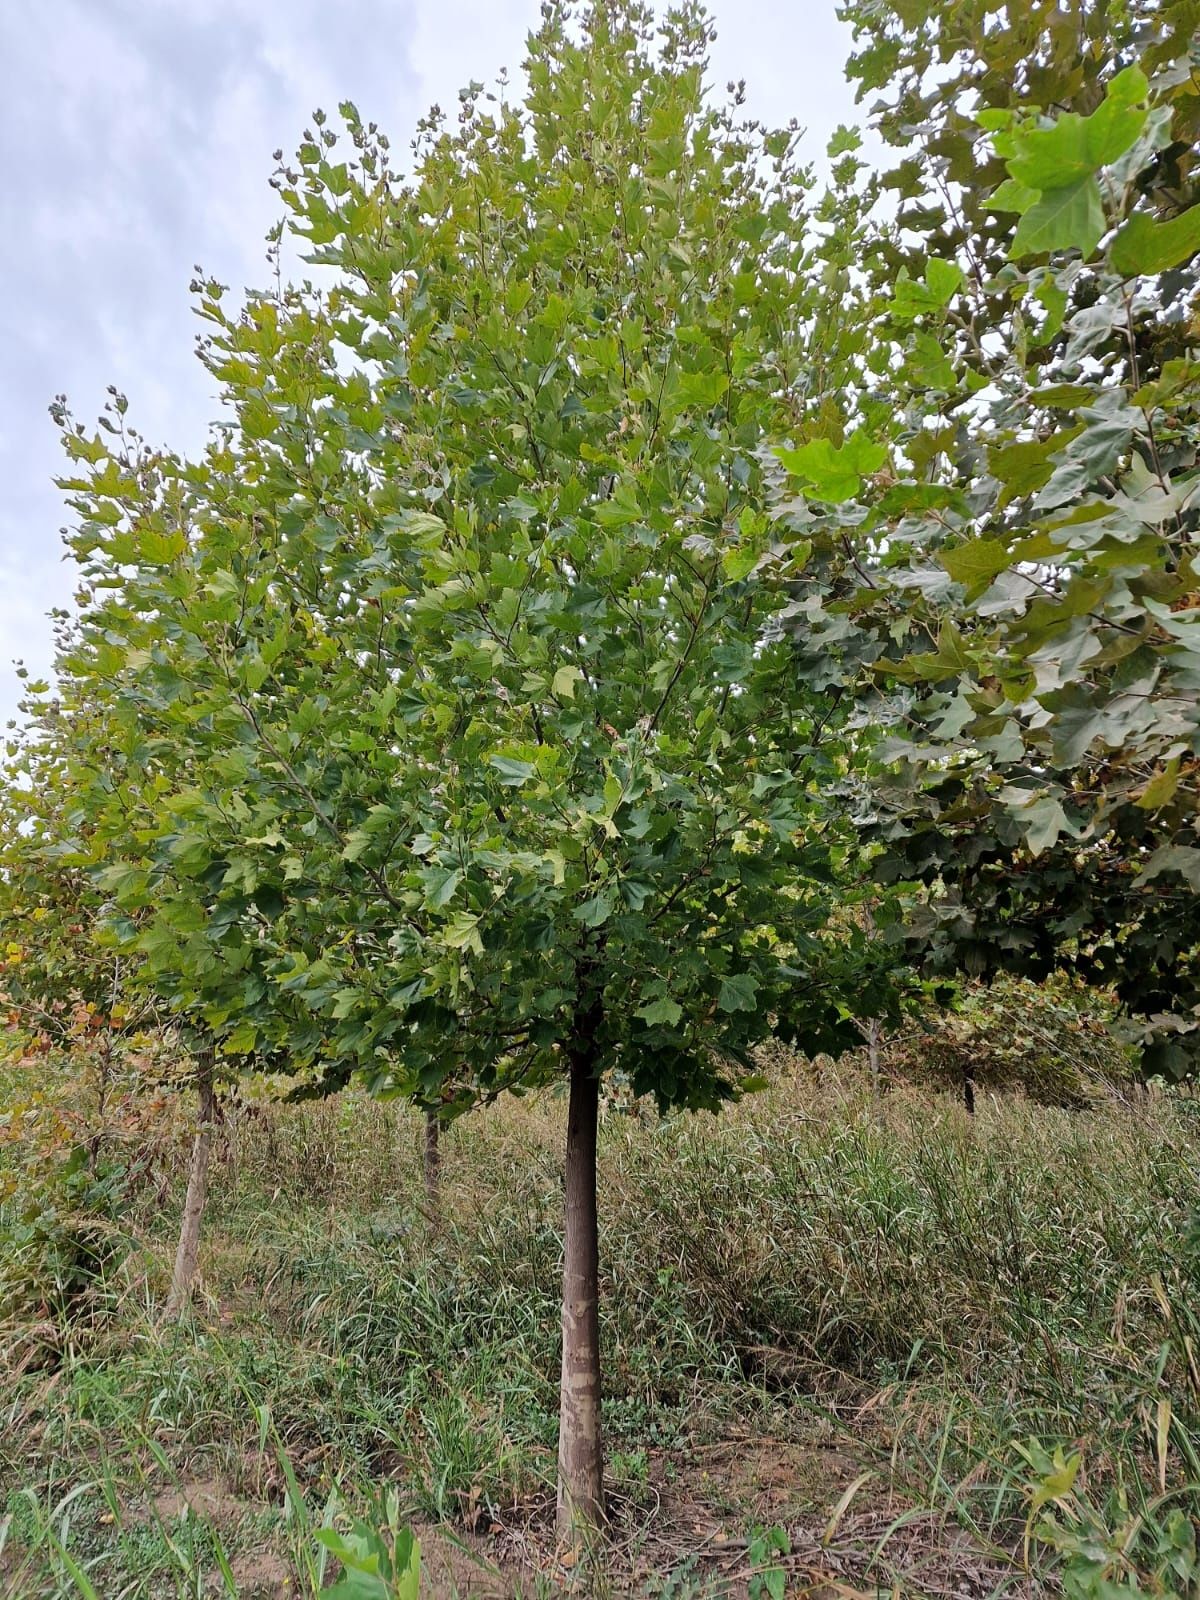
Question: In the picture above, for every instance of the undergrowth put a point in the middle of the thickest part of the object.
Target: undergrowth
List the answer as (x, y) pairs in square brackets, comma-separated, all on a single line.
[(945, 1301)]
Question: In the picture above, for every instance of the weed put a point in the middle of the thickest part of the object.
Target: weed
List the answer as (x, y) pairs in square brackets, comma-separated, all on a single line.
[(767, 1576)]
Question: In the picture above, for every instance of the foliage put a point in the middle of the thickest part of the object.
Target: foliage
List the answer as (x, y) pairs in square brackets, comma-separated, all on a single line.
[(59, 985), (458, 626), (998, 536), (381, 1560), (489, 701), (434, 724), (1104, 1554), (81, 1131), (768, 1580), (57, 1239)]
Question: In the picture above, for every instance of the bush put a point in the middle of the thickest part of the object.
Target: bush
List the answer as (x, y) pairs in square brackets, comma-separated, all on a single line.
[(56, 1242), (71, 1158), (1056, 1042)]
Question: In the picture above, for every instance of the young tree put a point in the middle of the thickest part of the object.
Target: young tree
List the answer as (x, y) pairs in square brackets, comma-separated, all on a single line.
[(490, 764), (1008, 546), (63, 990), (98, 792)]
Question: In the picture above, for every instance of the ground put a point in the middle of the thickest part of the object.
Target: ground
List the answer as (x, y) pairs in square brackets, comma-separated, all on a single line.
[(844, 1337)]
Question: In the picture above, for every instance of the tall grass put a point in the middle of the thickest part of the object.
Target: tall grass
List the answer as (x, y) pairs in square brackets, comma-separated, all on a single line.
[(933, 1292)]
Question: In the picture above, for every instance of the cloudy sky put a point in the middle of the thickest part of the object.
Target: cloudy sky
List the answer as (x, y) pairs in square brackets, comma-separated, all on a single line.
[(137, 142)]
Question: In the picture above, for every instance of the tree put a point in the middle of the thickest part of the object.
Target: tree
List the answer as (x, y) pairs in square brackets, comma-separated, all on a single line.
[(1002, 557), (98, 793), (62, 988), (487, 767)]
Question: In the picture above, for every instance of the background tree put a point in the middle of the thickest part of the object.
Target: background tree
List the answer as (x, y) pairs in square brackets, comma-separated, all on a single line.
[(64, 990), (1005, 548), (102, 789), (477, 763)]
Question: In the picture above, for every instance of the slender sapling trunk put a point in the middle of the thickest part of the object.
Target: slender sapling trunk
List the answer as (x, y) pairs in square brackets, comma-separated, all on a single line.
[(105, 1076), (187, 1255), (580, 1456), (433, 1161)]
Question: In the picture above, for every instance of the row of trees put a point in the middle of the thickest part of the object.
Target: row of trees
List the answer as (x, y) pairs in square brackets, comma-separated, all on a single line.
[(620, 558)]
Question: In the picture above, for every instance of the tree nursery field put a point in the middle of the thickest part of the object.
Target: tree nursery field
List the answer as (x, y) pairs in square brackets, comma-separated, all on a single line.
[(598, 936)]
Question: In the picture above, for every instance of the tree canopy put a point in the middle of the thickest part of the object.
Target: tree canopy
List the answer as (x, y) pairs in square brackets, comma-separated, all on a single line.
[(1003, 554)]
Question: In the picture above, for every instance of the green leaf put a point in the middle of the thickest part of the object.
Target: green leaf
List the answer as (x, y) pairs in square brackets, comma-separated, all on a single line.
[(1076, 147), (1179, 858), (944, 279), (241, 1040), (930, 366), (1130, 87), (835, 473), (513, 771), (440, 884), (739, 562), (844, 142), (1144, 246), (1013, 196), (738, 992), (1119, 118), (702, 390), (558, 865), (564, 681), (1044, 821), (463, 933), (1054, 157), (977, 562), (733, 661), (1067, 218), (596, 911), (665, 1010), (1161, 789)]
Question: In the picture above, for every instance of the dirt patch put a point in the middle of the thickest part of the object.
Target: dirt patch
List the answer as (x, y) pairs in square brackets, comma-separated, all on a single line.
[(206, 1498), (766, 1479), (690, 1530), (262, 1575), (848, 1530), (456, 1567)]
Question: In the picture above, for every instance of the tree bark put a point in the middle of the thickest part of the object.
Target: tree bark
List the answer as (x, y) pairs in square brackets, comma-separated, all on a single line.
[(580, 1456), (871, 1032), (433, 1162), (187, 1255)]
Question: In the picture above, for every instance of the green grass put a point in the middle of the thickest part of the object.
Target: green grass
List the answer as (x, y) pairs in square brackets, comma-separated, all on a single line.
[(897, 1291)]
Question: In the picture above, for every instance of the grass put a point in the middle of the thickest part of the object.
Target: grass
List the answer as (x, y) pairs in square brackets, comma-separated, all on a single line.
[(838, 1323)]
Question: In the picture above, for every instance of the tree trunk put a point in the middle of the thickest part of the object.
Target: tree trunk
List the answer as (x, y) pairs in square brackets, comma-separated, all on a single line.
[(871, 1031), (433, 1162), (188, 1253), (580, 1457), (105, 1076)]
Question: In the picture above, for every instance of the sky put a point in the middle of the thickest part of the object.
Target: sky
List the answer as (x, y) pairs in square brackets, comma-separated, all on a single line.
[(137, 144)]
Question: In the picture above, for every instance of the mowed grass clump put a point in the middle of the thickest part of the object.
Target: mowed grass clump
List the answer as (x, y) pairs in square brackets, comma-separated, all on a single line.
[(936, 1290)]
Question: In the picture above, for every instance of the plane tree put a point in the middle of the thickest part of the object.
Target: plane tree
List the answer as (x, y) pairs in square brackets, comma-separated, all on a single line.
[(484, 763), (999, 561)]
